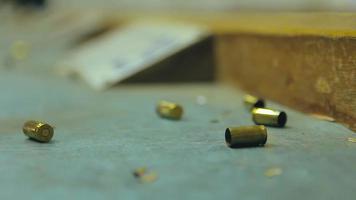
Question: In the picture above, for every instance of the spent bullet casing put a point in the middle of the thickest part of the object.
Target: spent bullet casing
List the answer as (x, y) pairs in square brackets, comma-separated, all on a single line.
[(269, 117), (38, 131), (169, 110), (246, 136), (253, 102)]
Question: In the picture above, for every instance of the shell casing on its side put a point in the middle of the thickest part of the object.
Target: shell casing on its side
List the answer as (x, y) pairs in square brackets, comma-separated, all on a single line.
[(268, 117), (246, 136), (169, 110), (38, 131), (253, 102)]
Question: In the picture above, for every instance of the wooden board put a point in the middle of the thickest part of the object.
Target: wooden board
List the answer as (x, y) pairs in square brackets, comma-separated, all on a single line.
[(329, 24), (315, 73)]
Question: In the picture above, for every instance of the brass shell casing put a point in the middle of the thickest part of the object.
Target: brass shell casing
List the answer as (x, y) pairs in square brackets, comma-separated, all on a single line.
[(251, 102), (169, 110), (268, 117), (38, 131), (246, 136)]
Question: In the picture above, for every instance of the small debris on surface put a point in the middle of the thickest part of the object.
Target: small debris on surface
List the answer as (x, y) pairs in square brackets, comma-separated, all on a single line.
[(139, 172), (226, 113), (323, 117), (214, 121), (274, 171), (221, 117), (149, 177), (20, 50), (201, 100), (351, 139), (144, 175)]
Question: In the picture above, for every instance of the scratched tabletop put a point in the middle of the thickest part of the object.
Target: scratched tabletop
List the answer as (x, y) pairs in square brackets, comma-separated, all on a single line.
[(101, 137)]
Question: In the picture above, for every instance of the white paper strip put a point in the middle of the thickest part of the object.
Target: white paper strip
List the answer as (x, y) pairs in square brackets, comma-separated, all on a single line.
[(124, 52)]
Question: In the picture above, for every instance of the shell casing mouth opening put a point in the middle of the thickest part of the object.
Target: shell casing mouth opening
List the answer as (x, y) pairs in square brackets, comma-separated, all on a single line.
[(282, 119), (228, 137), (259, 104)]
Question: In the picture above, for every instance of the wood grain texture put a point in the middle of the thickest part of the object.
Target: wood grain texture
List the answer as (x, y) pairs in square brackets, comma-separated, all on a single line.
[(328, 24), (313, 74)]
